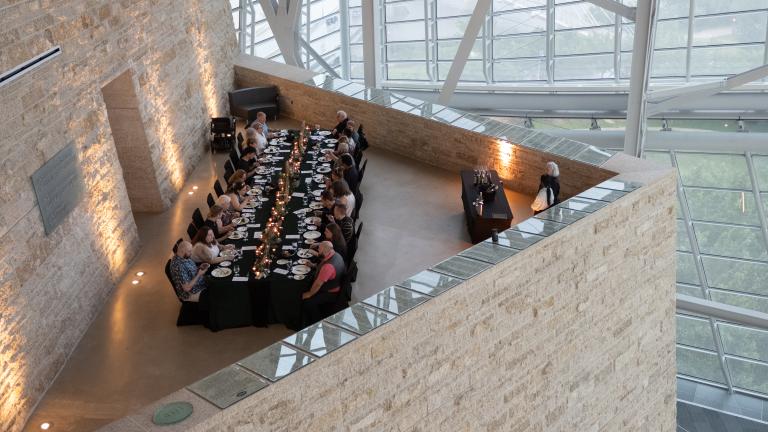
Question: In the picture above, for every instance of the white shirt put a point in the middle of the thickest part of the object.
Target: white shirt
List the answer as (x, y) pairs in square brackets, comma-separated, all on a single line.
[(350, 204), (261, 143)]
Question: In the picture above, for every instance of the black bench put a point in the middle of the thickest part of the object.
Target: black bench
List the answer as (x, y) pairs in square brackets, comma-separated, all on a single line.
[(245, 103)]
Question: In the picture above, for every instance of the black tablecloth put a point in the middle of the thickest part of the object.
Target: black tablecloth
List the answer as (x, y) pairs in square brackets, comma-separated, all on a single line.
[(276, 298), (496, 213)]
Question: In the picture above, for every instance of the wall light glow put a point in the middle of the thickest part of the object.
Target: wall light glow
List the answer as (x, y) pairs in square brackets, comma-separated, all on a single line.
[(506, 155)]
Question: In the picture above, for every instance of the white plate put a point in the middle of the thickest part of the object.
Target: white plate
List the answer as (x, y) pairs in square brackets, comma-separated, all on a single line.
[(304, 261), (257, 177), (240, 221), (263, 199), (304, 253), (324, 133), (221, 272), (311, 235), (313, 220), (228, 254), (317, 193), (323, 159), (324, 169), (254, 191), (242, 228), (235, 235), (282, 261), (315, 205), (331, 140), (250, 204), (310, 241), (300, 269), (271, 150), (229, 263), (299, 277)]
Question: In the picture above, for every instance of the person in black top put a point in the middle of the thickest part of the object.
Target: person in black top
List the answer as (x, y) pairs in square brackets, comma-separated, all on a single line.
[(247, 162), (341, 119), (350, 171), (551, 180)]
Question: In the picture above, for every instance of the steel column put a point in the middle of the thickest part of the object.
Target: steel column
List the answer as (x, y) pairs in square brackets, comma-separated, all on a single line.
[(642, 54)]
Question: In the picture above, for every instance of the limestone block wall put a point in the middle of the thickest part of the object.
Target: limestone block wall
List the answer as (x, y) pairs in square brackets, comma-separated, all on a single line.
[(574, 333), (52, 286), (425, 140)]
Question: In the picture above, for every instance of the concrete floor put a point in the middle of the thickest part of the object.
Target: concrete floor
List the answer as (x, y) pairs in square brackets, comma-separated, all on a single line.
[(133, 353)]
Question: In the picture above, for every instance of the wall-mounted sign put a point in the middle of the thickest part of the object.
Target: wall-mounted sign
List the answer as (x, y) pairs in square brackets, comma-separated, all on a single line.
[(59, 186)]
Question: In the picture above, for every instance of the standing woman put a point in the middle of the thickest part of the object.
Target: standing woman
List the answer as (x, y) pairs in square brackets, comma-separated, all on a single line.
[(550, 185)]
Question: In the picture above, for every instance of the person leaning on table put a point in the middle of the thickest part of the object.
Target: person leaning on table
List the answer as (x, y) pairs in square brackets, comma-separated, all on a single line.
[(206, 249), (327, 285), (187, 277), (213, 221)]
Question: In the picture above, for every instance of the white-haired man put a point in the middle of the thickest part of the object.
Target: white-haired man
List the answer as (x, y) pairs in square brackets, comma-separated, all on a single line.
[(341, 119), (327, 285)]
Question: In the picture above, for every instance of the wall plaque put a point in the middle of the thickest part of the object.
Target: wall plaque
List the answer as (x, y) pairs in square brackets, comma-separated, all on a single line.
[(58, 186)]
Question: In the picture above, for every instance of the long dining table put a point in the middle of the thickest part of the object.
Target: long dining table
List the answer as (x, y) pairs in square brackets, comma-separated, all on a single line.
[(240, 298)]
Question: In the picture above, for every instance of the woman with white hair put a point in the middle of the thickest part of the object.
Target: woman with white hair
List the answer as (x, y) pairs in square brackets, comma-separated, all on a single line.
[(549, 189), (341, 119), (256, 139), (225, 202)]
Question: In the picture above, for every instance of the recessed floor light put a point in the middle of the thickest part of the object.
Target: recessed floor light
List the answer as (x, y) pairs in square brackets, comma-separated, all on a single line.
[(45, 425), (194, 187), (140, 273), (190, 192), (135, 281)]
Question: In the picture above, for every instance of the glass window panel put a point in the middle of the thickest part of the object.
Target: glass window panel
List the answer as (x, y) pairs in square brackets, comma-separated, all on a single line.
[(355, 16), (580, 15), (673, 8), (530, 21), (729, 29), (520, 70), (409, 31), (520, 46), (448, 28), (744, 341), (704, 7), (455, 8), (662, 158), (736, 275), (584, 41), (586, 67), (713, 170), (267, 49), (446, 50), (234, 4), (356, 35), (748, 375), (668, 63), (686, 269), (356, 53), (741, 300), (405, 11), (761, 171), (327, 43), (406, 51), (670, 34), (407, 71), (236, 19), (627, 36), (730, 241), (321, 8), (357, 70), (726, 60), (473, 71), (689, 290), (683, 242), (699, 364), (722, 206), (695, 332), (508, 5), (355, 3), (261, 32)]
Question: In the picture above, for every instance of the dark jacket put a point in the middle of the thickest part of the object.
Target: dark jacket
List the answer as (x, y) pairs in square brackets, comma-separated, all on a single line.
[(552, 183)]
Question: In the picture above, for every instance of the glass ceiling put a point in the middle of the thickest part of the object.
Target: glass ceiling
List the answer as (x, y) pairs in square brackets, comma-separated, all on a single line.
[(522, 41), (722, 228)]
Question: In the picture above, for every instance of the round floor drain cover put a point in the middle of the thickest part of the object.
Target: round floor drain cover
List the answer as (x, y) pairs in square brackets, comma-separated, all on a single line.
[(172, 413)]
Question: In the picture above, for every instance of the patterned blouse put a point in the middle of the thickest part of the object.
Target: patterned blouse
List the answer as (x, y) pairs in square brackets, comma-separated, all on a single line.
[(184, 270)]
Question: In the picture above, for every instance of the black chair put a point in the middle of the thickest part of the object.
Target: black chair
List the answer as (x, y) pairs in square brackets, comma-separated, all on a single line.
[(346, 283), (197, 218), (217, 187), (191, 231), (233, 157), (358, 205), (229, 169), (222, 133), (245, 103), (210, 200), (358, 156), (240, 139), (361, 173), (363, 144), (189, 313)]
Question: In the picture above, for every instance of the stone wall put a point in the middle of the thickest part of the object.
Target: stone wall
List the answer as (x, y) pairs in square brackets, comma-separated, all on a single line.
[(180, 56), (426, 140), (574, 333)]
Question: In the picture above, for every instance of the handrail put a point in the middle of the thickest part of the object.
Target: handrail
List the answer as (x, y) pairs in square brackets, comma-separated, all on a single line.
[(722, 312)]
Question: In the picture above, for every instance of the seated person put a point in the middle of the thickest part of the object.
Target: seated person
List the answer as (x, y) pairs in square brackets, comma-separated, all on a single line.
[(258, 141), (228, 214), (237, 176), (247, 162), (213, 221), (187, 277), (206, 249), (344, 222), (351, 176), (261, 118), (347, 133), (326, 199), (250, 135), (341, 120), (327, 285), (343, 195), (352, 125), (332, 233), (237, 196)]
